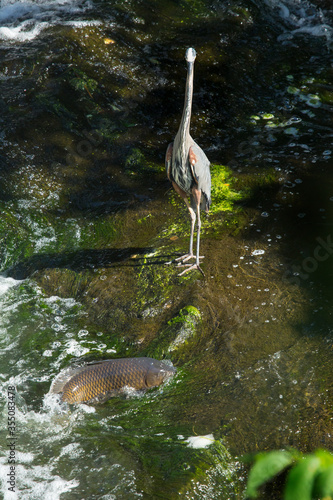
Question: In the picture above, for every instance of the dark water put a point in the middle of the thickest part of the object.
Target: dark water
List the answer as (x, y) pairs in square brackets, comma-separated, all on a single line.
[(91, 94)]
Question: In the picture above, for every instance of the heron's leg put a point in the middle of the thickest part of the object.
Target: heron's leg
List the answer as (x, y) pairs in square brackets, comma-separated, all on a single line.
[(197, 196), (190, 254), (198, 234)]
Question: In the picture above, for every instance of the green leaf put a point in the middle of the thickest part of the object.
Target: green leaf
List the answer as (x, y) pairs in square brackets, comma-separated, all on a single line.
[(301, 479), (267, 466), (326, 458), (323, 486)]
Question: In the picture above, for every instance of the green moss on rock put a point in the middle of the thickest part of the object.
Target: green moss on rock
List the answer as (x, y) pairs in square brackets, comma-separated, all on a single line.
[(178, 334)]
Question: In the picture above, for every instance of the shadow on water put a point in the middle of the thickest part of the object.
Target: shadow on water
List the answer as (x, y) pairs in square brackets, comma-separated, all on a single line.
[(89, 259)]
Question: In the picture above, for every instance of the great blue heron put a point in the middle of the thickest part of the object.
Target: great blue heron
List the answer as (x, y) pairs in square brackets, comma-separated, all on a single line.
[(188, 169)]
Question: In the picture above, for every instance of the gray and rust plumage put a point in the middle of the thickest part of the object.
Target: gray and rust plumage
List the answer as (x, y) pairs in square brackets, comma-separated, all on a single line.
[(97, 382), (188, 167)]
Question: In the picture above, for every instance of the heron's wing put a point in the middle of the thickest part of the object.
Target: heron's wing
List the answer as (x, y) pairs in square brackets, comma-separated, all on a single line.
[(199, 164), (168, 159)]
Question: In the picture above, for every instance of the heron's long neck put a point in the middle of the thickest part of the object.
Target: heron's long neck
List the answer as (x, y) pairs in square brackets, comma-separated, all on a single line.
[(184, 129)]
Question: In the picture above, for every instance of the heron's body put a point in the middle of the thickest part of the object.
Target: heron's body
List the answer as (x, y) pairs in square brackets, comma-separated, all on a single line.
[(98, 381), (187, 166)]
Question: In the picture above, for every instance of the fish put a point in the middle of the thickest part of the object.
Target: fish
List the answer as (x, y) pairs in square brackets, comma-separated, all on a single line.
[(98, 381)]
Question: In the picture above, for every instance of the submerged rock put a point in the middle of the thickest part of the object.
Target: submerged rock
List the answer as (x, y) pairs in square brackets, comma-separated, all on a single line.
[(179, 333)]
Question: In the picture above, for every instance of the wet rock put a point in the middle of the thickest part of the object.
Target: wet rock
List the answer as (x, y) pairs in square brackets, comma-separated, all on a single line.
[(176, 340)]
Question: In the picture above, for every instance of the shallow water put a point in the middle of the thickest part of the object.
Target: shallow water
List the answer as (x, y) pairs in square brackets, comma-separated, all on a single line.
[(91, 94)]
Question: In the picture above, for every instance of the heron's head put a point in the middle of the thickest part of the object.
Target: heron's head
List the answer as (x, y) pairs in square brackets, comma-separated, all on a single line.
[(190, 55)]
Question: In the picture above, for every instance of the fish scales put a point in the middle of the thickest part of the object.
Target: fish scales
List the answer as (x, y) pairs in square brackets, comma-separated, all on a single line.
[(97, 382)]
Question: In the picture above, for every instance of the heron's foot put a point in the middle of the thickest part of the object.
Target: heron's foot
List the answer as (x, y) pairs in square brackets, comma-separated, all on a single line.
[(186, 257), (191, 268)]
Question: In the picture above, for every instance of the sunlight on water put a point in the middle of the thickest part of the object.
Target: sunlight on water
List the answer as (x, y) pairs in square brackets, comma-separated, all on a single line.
[(50, 425), (6, 283), (303, 17), (24, 20)]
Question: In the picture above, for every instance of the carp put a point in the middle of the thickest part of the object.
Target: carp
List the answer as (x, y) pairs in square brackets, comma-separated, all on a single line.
[(97, 382)]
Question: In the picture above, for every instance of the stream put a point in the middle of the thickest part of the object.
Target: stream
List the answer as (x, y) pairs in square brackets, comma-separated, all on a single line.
[(91, 95)]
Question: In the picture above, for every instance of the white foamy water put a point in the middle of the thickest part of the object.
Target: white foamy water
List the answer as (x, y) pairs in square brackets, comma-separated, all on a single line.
[(23, 20), (7, 283), (302, 17)]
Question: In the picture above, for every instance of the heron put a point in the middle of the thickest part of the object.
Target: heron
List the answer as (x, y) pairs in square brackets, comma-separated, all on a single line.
[(188, 169)]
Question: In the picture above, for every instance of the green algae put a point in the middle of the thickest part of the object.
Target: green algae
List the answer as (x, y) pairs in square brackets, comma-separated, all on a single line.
[(224, 195), (228, 194), (135, 159), (136, 163), (83, 83), (178, 337)]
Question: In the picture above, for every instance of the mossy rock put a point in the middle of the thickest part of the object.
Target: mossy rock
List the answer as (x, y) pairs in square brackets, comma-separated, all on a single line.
[(136, 162), (224, 194), (180, 333)]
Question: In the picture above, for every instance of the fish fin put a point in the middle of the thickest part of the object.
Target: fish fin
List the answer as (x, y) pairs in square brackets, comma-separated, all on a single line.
[(90, 363), (63, 377)]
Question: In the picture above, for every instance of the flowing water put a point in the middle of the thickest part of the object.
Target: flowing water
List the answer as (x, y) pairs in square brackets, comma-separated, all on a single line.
[(91, 94)]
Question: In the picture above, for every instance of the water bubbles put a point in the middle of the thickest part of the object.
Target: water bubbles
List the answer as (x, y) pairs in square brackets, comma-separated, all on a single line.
[(313, 100), (82, 333), (258, 252), (48, 353), (74, 348), (294, 119), (101, 347), (58, 327)]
